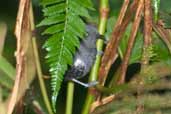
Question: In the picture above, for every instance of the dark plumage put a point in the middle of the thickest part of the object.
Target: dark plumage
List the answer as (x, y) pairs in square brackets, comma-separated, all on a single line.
[(84, 57)]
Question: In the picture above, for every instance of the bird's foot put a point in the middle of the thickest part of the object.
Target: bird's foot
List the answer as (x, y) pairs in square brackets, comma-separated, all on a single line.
[(90, 84)]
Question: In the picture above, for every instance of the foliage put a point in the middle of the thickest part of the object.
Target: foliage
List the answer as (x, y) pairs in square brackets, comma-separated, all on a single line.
[(65, 22), (156, 5), (137, 49), (7, 73), (165, 12), (62, 18)]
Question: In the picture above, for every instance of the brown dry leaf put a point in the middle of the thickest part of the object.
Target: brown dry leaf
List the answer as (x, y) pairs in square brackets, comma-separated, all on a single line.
[(25, 66)]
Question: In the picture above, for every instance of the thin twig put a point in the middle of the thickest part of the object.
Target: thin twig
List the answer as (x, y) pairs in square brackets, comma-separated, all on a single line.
[(111, 48), (151, 102), (126, 21), (147, 31), (103, 101), (159, 70), (131, 41), (147, 42), (38, 66), (164, 34)]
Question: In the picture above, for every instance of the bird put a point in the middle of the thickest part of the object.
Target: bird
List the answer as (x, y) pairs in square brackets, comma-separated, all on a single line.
[(84, 57)]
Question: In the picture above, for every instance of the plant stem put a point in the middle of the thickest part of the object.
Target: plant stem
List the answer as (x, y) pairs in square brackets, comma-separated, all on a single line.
[(93, 76), (131, 41), (117, 34), (70, 94), (104, 9), (110, 52), (38, 66)]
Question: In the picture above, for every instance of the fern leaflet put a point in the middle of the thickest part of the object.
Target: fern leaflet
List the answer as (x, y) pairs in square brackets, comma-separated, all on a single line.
[(65, 27)]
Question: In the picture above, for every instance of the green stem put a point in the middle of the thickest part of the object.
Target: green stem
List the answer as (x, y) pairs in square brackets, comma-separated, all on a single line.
[(41, 81), (93, 76), (104, 8), (156, 6), (70, 94), (38, 66)]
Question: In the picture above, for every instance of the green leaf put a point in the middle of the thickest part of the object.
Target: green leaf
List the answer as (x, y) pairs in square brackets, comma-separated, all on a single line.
[(72, 38), (7, 73), (161, 50), (55, 9), (5, 81), (52, 20), (166, 19), (85, 3), (54, 29), (65, 27), (137, 48), (165, 6), (50, 2), (110, 25), (7, 68), (165, 12), (78, 9)]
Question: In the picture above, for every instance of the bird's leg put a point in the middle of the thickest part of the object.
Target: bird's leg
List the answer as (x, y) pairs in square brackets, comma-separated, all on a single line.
[(90, 84)]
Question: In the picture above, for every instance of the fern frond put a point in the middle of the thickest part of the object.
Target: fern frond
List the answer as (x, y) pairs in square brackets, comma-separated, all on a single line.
[(66, 27)]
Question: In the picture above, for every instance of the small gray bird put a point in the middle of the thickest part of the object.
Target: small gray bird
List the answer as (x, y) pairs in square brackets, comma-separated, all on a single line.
[(84, 57)]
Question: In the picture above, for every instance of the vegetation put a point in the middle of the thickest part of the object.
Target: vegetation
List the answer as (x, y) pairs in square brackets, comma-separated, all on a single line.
[(133, 73)]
